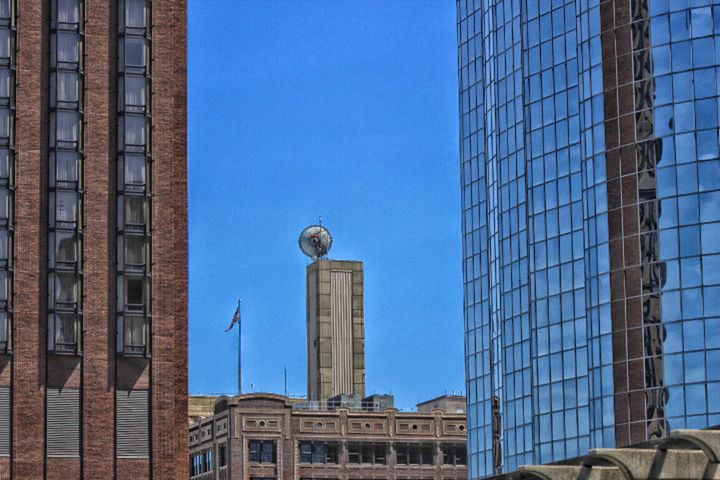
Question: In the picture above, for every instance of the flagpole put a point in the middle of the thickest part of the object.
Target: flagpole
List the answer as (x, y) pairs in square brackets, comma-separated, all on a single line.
[(239, 352)]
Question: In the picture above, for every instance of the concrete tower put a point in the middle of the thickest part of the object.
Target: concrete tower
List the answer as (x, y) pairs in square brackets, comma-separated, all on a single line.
[(336, 329)]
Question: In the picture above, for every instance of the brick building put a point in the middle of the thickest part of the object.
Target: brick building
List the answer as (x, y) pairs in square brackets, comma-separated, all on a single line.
[(93, 239), (268, 436)]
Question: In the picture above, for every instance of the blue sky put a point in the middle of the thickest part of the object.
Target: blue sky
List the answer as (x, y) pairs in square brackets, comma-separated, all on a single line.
[(345, 110)]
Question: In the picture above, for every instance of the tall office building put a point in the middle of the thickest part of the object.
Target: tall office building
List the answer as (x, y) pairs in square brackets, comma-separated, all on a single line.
[(591, 201), (93, 239), (336, 329)]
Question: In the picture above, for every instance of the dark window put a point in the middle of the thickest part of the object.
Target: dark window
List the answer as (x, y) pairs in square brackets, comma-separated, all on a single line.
[(4, 331), (5, 83), (4, 245), (68, 11), (262, 451), (4, 204), (4, 162), (135, 251), (319, 452), (134, 334), (5, 40), (135, 13), (135, 297), (135, 210), (135, 51), (135, 91), (67, 48), (135, 130), (66, 207), (4, 122), (67, 88), (65, 248), (134, 169), (414, 454), (197, 464), (66, 332), (222, 455), (208, 460), (370, 453), (66, 167), (66, 289), (454, 454)]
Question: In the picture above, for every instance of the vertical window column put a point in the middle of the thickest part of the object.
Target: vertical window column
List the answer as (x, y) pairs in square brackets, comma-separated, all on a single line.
[(134, 181), (65, 182), (7, 164)]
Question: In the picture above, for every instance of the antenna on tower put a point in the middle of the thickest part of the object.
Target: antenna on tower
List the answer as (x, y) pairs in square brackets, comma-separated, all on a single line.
[(319, 219), (315, 241)]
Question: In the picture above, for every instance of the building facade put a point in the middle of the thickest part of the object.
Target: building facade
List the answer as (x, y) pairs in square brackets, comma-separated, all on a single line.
[(262, 435), (446, 403), (336, 329), (683, 455), (93, 239), (591, 200)]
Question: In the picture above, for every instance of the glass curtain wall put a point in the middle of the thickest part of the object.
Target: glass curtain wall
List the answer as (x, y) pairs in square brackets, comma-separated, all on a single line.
[(685, 46), (134, 180), (555, 222), (524, 212), (7, 168), (65, 182), (596, 339), (539, 310), (475, 227)]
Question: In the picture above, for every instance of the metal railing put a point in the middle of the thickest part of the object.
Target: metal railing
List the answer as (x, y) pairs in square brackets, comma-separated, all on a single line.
[(320, 405)]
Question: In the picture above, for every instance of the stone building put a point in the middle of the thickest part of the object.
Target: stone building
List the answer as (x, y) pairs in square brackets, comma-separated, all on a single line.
[(265, 436), (682, 455)]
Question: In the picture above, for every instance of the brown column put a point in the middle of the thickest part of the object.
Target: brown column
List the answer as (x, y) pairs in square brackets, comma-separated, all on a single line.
[(30, 242), (636, 276), (98, 447), (170, 451)]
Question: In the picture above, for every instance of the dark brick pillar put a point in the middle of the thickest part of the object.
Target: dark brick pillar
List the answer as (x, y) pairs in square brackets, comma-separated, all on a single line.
[(30, 243), (99, 282), (170, 449)]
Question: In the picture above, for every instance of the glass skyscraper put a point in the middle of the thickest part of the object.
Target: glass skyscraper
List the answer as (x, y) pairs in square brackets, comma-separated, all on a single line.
[(591, 223)]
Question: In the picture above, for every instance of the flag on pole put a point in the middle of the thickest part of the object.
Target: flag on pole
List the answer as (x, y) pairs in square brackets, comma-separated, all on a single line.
[(235, 318)]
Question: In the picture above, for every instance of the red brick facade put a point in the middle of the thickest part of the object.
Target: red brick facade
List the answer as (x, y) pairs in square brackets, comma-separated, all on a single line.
[(170, 276), (28, 359), (29, 370)]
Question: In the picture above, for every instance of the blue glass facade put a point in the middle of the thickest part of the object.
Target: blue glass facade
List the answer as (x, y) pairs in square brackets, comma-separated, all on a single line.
[(591, 201), (686, 55)]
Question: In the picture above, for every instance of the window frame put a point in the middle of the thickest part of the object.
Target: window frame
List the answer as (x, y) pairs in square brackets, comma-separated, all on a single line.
[(330, 452), (368, 453), (258, 449)]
